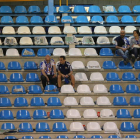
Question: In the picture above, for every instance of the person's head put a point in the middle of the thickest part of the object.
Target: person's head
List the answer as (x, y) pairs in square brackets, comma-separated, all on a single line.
[(62, 59), (136, 33), (122, 33), (47, 58)]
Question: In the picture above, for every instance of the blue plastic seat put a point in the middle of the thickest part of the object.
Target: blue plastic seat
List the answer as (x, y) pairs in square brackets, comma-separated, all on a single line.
[(25, 127), (112, 76), (139, 127), (113, 137), (106, 52), (97, 19), (56, 114), (59, 127), (14, 65), (10, 137), (34, 89), (119, 101), (37, 101), (130, 136), (127, 19), (112, 19), (54, 101), (20, 102), (16, 77), (42, 127), (79, 137), (2, 66), (67, 19), (43, 52), (116, 89), (7, 20), (20, 9), (135, 101), (114, 10), (123, 113), (138, 19), (18, 89), (139, 77), (51, 89), (36, 19), (94, 9), (22, 20), (40, 114), (132, 89), (64, 9), (6, 115), (82, 19), (62, 137), (30, 65), (127, 127), (4, 89), (44, 137), (3, 77), (24, 54), (5, 9), (79, 9), (96, 137), (34, 9), (32, 77), (27, 137), (51, 19), (109, 65), (23, 114), (136, 113), (46, 9), (5, 102), (8, 126), (128, 76), (136, 9), (123, 66), (124, 9)]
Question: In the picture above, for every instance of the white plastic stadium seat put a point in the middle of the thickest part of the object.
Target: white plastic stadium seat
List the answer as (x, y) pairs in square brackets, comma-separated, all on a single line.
[(100, 30), (69, 30), (12, 52), (129, 29), (93, 126), (26, 41), (23, 30), (103, 40), (38, 30), (93, 65), (80, 76), (90, 113), (83, 89), (54, 30), (59, 52), (96, 76), (0, 42), (113, 40), (84, 30), (70, 101), (1, 52), (8, 30), (100, 88), (75, 52), (57, 41), (77, 65), (86, 101), (76, 126), (114, 30), (130, 37), (73, 113), (10, 41), (106, 113), (110, 127), (67, 89), (90, 52), (40, 40), (103, 101)]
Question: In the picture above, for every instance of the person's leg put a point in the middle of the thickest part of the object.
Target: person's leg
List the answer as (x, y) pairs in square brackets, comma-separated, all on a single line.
[(135, 52), (72, 80), (59, 81), (44, 80), (53, 81), (121, 53)]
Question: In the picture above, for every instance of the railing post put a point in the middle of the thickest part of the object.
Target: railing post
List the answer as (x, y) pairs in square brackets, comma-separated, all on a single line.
[(50, 7)]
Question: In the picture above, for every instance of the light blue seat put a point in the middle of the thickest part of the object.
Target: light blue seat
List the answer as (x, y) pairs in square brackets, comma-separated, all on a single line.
[(36, 19), (82, 19), (136, 9), (14, 65), (79, 9), (62, 137), (138, 19), (59, 127), (109, 65), (6, 115), (5, 102), (22, 20), (43, 52), (20, 102), (34, 9), (114, 10), (5, 9), (54, 101), (25, 127), (130, 136), (27, 137), (44, 137), (42, 127), (97, 19), (46, 9), (7, 20), (128, 76), (67, 19), (39, 114), (94, 9), (116, 89), (32, 77), (135, 101), (37, 101), (3, 77), (112, 19), (30, 65), (79, 137), (10, 137), (136, 113), (119, 101), (16, 77), (96, 137), (20, 9), (18, 89), (2, 66), (124, 9), (51, 19), (4, 89), (23, 114), (8, 126), (132, 88), (123, 66), (56, 114), (112, 76), (123, 113), (34, 89), (64, 9), (106, 52), (113, 137), (127, 19), (127, 127), (51, 89), (139, 77), (24, 54)]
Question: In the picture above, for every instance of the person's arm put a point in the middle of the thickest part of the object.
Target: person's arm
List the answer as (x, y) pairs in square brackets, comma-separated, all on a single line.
[(71, 72), (54, 67), (118, 47), (43, 72), (61, 74)]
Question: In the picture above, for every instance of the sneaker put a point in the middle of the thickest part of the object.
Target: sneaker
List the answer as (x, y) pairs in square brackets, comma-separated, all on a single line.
[(133, 58)]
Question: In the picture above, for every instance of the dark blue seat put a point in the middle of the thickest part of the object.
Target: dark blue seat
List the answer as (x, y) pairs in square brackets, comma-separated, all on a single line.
[(30, 65), (123, 66), (8, 126), (44, 137), (94, 9), (139, 127), (79, 9), (113, 137), (23, 114), (62, 137), (26, 54), (54, 101), (135, 101), (6, 115), (130, 136), (97, 19), (109, 65), (14, 65), (5, 9), (132, 89), (37, 101), (112, 76), (43, 52), (79, 137), (25, 127), (138, 19), (10, 137), (51, 89), (39, 114), (123, 113), (5, 102), (112, 19), (136, 113), (82, 19), (36, 19), (18, 89), (114, 10), (22, 20), (116, 89), (20, 9), (27, 137), (96, 137), (127, 127), (67, 19), (34, 9), (42, 127), (139, 77), (136, 9), (32, 77), (34, 89), (16, 77), (128, 76), (124, 9), (64, 9), (56, 114), (119, 101), (4, 89), (7, 20), (46, 9), (106, 52), (127, 19), (51, 19), (59, 127), (3, 77), (2, 66), (20, 102)]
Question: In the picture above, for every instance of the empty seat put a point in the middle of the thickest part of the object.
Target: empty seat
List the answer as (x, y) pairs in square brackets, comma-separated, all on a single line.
[(127, 19), (4, 89), (51, 19), (82, 19), (110, 127), (84, 30), (25, 127), (42, 127), (8, 126), (43, 52), (51, 89), (90, 52), (38, 30), (23, 114), (44, 137), (28, 53), (70, 101), (90, 113), (69, 30), (37, 101), (106, 52), (56, 114), (112, 19), (74, 52), (103, 101), (129, 29), (132, 88), (93, 65), (100, 88), (123, 113), (109, 65), (136, 9), (7, 20), (20, 102), (54, 30), (3, 77), (30, 65), (128, 76), (76, 126), (32, 77), (18, 89), (34, 89), (67, 19), (86, 101), (109, 9), (79, 137), (10, 137), (112, 76), (59, 52), (6, 115), (119, 101), (137, 65), (124, 9), (96, 137), (114, 30), (36, 20), (26, 41), (127, 127), (14, 65), (5, 9), (39, 114), (94, 9), (138, 19), (16, 77), (40, 40), (77, 65), (12, 52), (73, 113), (1, 51), (96, 76), (100, 30), (116, 89), (8, 30), (64, 9), (54, 101), (97, 19), (46, 9), (67, 89), (139, 77), (23, 30), (10, 41), (2, 66), (123, 66), (93, 126), (27, 137), (34, 9), (62, 137), (56, 41), (139, 127), (136, 113), (102, 40), (107, 113), (20, 9), (80, 76), (79, 9), (113, 137), (130, 136), (59, 127), (83, 89), (22, 20), (135, 101)]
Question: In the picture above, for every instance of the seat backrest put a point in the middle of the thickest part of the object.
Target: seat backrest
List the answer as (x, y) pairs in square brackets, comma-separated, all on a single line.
[(93, 65), (25, 127), (34, 9), (20, 9), (124, 9), (23, 114), (112, 19), (6, 114), (130, 136), (80, 76), (27, 137), (79, 137), (6, 126), (22, 19), (113, 137), (46, 9), (94, 9), (59, 52), (54, 101), (36, 19), (74, 52), (134, 100), (106, 52), (30, 65), (127, 126), (119, 101), (40, 114), (38, 30), (16, 77), (10, 137), (116, 89), (112, 76), (34, 89), (64, 9), (54, 30), (32, 77), (109, 65), (67, 19), (56, 114), (103, 40), (2, 66), (96, 137), (83, 89), (123, 113), (128, 76), (95, 19), (37, 101), (28, 53), (82, 19), (136, 9), (70, 101), (136, 113), (132, 88), (14, 65), (4, 89), (62, 137), (43, 52), (42, 127), (44, 137), (127, 19), (3, 77), (90, 52), (51, 19), (20, 101), (79, 9), (18, 89), (5, 9), (59, 127), (70, 30), (7, 19)]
